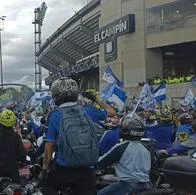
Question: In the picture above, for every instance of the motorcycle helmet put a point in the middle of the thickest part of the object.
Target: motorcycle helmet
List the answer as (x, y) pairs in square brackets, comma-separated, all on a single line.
[(64, 90), (7, 118), (131, 127), (185, 118), (165, 116), (152, 117)]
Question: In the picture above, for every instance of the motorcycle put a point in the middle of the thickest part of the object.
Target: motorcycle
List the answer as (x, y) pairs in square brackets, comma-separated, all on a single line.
[(7, 187), (177, 177)]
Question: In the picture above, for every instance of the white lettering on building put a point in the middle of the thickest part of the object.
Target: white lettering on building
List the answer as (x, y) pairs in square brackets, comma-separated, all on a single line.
[(111, 31)]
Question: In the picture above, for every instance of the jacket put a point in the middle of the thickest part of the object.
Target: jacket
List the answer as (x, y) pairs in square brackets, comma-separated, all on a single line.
[(11, 151), (132, 161), (109, 139)]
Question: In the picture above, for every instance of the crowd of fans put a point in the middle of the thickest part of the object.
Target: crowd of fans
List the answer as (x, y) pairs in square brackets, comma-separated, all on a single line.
[(118, 137)]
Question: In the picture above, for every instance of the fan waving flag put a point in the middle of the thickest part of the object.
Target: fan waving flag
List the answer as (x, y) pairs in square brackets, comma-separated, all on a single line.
[(159, 93)]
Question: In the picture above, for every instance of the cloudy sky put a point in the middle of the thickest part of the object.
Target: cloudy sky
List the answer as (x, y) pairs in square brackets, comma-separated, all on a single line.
[(18, 33)]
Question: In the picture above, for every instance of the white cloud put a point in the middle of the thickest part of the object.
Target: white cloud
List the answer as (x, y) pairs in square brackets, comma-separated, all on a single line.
[(18, 34)]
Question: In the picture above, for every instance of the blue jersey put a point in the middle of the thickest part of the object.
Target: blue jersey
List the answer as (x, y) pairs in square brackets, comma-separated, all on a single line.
[(95, 114), (52, 134), (109, 139)]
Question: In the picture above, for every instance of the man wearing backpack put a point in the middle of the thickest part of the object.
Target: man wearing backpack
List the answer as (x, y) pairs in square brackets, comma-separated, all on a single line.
[(72, 135)]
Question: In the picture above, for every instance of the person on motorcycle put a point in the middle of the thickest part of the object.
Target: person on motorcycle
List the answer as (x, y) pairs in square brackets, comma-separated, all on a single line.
[(131, 160), (11, 147), (185, 128), (182, 147), (61, 175)]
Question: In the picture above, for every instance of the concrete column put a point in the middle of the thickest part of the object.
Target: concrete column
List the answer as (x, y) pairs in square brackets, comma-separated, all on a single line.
[(110, 11), (134, 44), (154, 63)]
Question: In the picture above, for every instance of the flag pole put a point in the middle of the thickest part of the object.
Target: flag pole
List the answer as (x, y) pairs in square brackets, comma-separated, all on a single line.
[(134, 110)]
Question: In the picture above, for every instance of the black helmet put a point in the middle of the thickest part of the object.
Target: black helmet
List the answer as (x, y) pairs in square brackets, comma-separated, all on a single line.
[(64, 90), (185, 118), (131, 127)]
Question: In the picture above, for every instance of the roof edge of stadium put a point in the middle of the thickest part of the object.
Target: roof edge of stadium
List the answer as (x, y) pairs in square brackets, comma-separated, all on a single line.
[(90, 6)]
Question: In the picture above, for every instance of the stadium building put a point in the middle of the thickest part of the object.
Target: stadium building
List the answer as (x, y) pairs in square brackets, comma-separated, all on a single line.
[(139, 39)]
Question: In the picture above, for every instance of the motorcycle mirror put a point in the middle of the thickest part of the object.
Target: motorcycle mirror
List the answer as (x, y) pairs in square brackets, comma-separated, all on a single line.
[(28, 158), (194, 155)]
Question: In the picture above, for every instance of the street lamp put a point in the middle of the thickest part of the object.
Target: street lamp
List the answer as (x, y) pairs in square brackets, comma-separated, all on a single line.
[(1, 60)]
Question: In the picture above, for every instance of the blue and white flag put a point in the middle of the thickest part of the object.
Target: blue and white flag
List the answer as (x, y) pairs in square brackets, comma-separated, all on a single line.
[(159, 94), (188, 100), (113, 93), (146, 98), (110, 77), (39, 97)]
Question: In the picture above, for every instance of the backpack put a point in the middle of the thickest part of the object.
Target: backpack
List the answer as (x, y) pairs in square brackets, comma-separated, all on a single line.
[(77, 139)]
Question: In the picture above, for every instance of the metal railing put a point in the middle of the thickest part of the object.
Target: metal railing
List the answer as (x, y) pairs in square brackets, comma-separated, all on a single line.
[(174, 23), (81, 66)]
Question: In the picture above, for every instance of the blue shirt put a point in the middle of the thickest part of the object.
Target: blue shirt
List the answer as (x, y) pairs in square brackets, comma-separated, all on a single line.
[(52, 134), (54, 122), (95, 114)]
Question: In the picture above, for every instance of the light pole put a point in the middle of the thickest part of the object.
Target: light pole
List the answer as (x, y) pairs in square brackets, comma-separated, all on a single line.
[(38, 22), (1, 60)]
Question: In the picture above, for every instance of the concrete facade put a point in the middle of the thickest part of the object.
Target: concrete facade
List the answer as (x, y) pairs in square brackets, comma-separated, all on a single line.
[(139, 55)]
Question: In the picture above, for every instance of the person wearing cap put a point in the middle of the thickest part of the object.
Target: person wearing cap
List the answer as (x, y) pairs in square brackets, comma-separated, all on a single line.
[(11, 147), (131, 160)]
